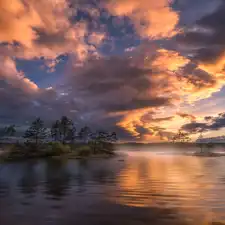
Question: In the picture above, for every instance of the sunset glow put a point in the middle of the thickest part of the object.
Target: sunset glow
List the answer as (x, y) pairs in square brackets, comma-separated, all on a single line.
[(144, 69)]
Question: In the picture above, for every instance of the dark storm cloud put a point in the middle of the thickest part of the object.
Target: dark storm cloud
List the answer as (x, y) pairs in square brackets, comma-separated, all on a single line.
[(136, 104), (209, 54), (192, 10), (115, 85), (197, 77), (50, 40), (207, 35), (211, 123), (19, 106), (194, 127)]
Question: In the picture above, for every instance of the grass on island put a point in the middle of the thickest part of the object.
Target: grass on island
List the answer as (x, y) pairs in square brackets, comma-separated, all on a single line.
[(56, 150)]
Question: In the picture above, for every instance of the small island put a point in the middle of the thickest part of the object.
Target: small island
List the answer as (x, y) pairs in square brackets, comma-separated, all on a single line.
[(61, 140)]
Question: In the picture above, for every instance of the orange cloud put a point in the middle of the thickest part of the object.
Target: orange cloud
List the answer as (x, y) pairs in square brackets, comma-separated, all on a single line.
[(44, 29), (18, 19), (96, 38), (189, 88), (167, 80), (169, 60), (133, 120), (147, 16), (136, 119), (16, 22), (9, 73), (186, 115)]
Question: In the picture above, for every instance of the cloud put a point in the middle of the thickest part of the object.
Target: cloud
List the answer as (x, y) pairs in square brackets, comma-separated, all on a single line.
[(103, 81), (146, 16), (211, 123), (21, 99), (149, 80), (192, 10), (96, 38), (33, 29), (188, 116), (208, 37), (14, 78), (169, 60), (19, 19), (143, 93), (145, 84), (16, 22)]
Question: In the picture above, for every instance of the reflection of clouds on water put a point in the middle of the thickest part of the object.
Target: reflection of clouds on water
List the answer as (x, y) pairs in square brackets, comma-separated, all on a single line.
[(174, 181), (139, 188)]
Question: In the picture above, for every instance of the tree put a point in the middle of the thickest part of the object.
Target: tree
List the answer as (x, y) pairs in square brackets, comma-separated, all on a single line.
[(85, 134), (55, 130), (71, 134), (112, 137), (200, 143), (36, 131), (181, 137), (103, 140), (8, 131), (66, 128)]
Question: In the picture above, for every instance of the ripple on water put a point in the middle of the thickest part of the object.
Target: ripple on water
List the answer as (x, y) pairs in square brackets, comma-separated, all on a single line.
[(140, 189)]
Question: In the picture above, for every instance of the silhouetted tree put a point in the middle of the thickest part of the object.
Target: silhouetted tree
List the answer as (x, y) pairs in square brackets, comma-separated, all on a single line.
[(200, 144), (112, 137), (71, 134), (85, 134), (102, 140), (36, 131), (55, 130), (181, 137), (8, 131), (66, 128)]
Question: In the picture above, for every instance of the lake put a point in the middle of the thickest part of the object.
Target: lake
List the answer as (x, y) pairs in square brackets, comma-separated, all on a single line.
[(142, 185)]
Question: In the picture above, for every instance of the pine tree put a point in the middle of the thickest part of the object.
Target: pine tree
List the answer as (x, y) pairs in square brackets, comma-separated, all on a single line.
[(85, 134), (8, 131), (66, 128), (55, 130), (36, 131), (71, 134)]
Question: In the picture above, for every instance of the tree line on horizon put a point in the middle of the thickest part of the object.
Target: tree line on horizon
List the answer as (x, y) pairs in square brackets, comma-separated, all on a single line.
[(62, 130)]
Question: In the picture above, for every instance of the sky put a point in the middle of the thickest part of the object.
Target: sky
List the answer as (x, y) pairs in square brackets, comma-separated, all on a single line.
[(144, 69)]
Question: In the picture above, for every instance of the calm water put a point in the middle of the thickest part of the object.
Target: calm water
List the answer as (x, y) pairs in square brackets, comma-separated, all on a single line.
[(137, 187)]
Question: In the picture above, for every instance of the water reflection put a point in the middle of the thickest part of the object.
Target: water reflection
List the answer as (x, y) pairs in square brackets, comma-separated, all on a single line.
[(181, 182), (29, 178), (4, 188), (144, 188), (57, 178)]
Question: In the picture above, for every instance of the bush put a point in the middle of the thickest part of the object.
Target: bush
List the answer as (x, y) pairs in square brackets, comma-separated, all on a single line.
[(31, 147), (57, 149), (84, 150), (16, 151), (102, 147)]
